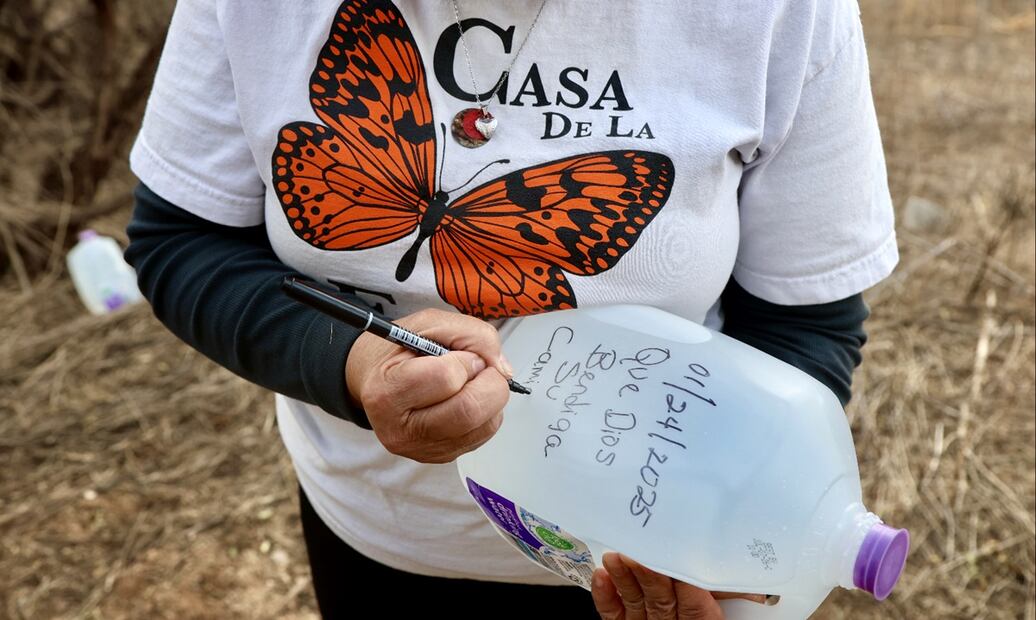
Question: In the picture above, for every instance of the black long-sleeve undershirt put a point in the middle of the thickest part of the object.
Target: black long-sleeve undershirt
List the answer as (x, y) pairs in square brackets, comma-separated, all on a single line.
[(218, 289)]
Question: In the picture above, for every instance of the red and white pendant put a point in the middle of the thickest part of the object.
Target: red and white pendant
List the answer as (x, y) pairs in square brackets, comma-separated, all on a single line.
[(473, 127)]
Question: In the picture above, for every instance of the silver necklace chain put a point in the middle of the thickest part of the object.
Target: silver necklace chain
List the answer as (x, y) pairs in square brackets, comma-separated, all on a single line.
[(507, 71)]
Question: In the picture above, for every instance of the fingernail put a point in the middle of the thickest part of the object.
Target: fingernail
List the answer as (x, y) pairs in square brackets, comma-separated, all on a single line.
[(478, 365), (598, 578), (508, 370)]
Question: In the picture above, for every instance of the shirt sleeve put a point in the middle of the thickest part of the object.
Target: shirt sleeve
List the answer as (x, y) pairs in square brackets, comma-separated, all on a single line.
[(218, 289), (191, 149), (816, 215)]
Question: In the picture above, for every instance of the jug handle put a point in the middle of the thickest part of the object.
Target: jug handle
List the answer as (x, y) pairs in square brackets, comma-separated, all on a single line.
[(789, 607)]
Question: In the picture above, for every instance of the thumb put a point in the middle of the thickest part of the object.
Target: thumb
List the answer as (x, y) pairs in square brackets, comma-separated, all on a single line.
[(422, 381), (459, 332), (472, 363)]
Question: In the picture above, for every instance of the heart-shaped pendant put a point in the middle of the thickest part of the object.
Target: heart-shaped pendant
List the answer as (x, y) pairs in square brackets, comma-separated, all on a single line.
[(472, 127), (486, 125)]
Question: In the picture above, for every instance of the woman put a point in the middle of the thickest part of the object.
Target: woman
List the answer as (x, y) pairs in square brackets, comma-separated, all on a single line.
[(451, 163)]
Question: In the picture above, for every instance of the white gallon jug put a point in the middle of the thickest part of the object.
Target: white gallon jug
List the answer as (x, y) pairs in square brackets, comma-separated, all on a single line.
[(698, 456), (101, 276)]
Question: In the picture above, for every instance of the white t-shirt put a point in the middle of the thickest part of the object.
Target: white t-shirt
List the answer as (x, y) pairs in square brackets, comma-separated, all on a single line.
[(645, 152)]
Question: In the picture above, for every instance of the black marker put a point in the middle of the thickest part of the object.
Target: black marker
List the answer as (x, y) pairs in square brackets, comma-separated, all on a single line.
[(365, 320)]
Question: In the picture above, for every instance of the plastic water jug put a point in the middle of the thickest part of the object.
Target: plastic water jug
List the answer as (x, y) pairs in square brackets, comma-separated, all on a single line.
[(101, 276), (698, 456)]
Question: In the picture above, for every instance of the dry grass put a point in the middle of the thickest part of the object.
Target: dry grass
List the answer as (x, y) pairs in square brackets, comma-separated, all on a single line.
[(140, 480)]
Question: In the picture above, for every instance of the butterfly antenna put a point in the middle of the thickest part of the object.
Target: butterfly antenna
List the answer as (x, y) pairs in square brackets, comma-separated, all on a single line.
[(442, 160), (492, 163)]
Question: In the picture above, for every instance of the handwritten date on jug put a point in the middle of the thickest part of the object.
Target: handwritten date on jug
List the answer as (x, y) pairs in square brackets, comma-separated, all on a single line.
[(666, 436)]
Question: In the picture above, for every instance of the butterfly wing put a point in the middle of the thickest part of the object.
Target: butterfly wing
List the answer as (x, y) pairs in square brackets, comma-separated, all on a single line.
[(502, 249), (479, 277), (335, 205), (364, 177)]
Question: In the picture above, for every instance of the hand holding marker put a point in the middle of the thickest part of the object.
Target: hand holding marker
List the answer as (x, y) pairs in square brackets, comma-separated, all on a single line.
[(366, 320)]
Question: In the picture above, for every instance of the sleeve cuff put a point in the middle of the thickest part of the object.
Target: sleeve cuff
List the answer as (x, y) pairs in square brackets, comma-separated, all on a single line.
[(200, 199), (826, 287)]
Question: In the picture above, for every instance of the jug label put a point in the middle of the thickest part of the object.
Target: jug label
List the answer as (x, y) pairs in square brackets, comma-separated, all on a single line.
[(540, 540)]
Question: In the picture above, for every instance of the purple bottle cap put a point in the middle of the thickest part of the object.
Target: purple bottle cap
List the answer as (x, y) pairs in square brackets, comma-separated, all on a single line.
[(880, 560), (114, 302), (86, 234)]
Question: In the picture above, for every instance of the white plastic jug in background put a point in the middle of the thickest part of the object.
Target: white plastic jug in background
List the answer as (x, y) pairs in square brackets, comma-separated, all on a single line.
[(695, 454), (101, 276)]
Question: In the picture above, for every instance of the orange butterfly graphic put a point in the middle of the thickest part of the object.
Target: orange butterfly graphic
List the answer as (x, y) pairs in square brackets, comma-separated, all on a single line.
[(366, 177)]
